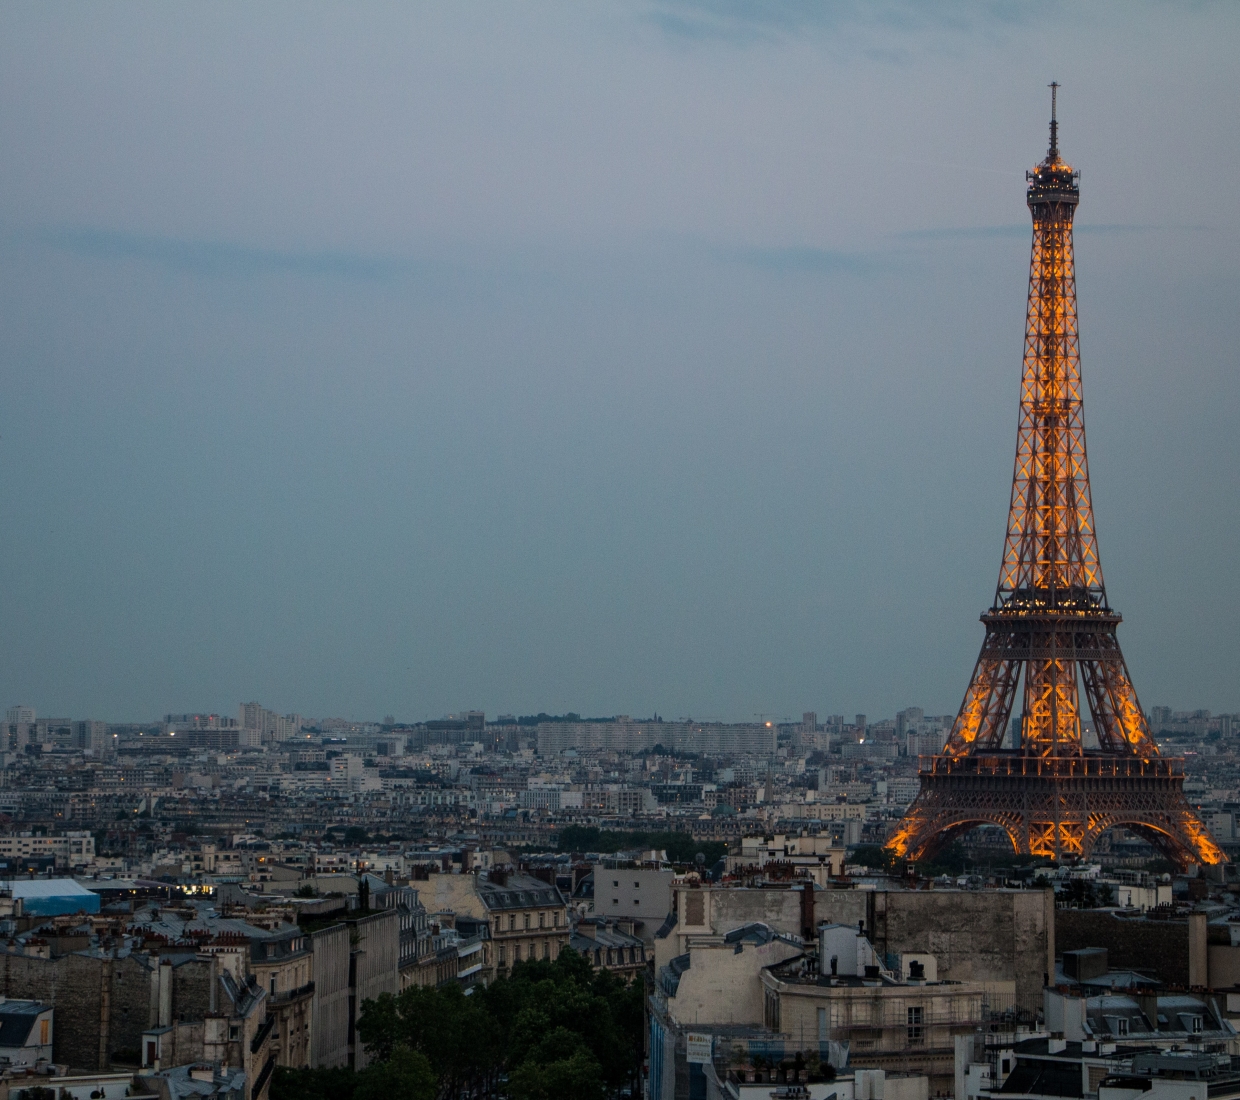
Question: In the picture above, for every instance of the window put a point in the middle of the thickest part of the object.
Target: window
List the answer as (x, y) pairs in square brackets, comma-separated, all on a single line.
[(615, 901), (1007, 1066), (1121, 1025), (546, 949), (273, 982), (1196, 1028), (43, 1032), (916, 1029), (615, 882), (512, 922), (503, 960), (516, 953), (822, 1025), (542, 920), (637, 886), (527, 919)]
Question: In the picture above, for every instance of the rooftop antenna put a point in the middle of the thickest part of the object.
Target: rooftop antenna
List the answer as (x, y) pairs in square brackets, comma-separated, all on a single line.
[(1054, 154)]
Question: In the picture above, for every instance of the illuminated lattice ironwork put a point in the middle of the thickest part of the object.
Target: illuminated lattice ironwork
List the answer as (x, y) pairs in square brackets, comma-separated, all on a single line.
[(1050, 626)]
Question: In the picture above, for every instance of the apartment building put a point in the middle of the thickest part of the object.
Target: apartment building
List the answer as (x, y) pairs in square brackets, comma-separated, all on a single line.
[(69, 850), (283, 965)]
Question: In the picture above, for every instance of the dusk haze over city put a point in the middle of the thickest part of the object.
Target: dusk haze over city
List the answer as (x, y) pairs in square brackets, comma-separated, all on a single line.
[(497, 506)]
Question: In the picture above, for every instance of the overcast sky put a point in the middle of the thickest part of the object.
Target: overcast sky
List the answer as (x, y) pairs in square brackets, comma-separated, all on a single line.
[(622, 358)]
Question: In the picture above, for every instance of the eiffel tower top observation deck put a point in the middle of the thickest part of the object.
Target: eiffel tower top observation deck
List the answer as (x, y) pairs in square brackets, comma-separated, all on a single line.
[(1051, 625)]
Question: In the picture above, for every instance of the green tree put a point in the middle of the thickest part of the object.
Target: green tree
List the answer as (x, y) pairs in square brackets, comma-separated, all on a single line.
[(454, 1032), (575, 1078), (312, 1084), (405, 1075), (554, 1027)]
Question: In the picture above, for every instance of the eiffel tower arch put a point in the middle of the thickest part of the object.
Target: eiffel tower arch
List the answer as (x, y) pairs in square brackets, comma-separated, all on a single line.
[(1051, 633)]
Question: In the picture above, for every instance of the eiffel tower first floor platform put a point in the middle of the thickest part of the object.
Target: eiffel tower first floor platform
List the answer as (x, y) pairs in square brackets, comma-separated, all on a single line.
[(1054, 806)]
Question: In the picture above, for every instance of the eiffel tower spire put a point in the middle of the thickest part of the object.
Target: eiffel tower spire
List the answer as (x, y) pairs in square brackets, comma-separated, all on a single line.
[(1050, 625)]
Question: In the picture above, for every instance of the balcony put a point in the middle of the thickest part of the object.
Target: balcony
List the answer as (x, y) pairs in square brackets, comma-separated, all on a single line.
[(260, 1036), (286, 996)]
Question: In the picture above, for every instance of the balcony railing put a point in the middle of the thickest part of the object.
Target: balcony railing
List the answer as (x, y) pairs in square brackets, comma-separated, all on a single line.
[(261, 1079), (286, 995), (260, 1036), (1101, 766)]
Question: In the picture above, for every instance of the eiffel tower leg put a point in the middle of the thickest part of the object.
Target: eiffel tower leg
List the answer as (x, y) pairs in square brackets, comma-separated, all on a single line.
[(1118, 717), (983, 716)]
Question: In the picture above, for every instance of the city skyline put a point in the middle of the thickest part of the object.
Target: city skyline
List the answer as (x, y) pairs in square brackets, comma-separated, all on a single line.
[(553, 363)]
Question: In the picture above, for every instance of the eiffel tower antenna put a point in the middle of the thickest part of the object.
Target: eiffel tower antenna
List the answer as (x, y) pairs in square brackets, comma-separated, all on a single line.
[(1054, 150), (1051, 629)]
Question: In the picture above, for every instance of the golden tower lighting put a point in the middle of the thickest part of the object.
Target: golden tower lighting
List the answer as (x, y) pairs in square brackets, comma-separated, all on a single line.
[(1050, 630)]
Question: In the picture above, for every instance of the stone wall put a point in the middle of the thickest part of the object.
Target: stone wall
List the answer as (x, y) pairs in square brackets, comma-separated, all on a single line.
[(193, 989), (974, 935), (376, 964), (329, 1023), (1158, 947), (101, 1005)]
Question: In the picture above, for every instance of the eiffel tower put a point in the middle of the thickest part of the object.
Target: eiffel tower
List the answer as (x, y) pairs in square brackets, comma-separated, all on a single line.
[(1051, 625)]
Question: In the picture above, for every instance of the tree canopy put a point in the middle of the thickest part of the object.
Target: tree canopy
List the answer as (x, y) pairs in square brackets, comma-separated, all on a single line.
[(556, 1030)]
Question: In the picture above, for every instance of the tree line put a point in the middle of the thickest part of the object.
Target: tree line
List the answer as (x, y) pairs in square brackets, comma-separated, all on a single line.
[(680, 847)]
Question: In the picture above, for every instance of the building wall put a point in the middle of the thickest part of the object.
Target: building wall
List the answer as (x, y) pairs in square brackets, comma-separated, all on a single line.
[(329, 1024), (1161, 947), (193, 989), (102, 1005), (723, 986), (715, 911), (376, 965), (642, 895), (975, 935), (874, 1021)]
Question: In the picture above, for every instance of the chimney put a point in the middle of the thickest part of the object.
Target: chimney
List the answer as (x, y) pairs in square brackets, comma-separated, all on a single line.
[(588, 929), (807, 911)]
